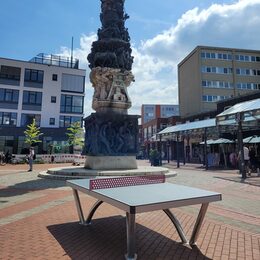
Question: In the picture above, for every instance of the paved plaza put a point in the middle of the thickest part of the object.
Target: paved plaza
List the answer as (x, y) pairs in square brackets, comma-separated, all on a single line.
[(38, 220)]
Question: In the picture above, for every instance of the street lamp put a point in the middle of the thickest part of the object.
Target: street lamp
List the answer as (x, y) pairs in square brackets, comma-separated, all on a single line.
[(168, 150)]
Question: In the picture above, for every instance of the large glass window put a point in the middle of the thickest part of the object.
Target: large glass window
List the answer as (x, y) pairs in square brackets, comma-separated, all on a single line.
[(11, 73), (71, 104), (9, 95), (27, 119), (66, 121), (32, 98), (33, 75), (7, 118)]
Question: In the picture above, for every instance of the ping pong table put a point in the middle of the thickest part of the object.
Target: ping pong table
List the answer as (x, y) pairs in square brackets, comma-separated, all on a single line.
[(138, 194)]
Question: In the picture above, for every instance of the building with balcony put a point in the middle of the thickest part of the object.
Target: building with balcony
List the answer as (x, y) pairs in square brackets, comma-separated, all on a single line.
[(49, 89), (211, 74)]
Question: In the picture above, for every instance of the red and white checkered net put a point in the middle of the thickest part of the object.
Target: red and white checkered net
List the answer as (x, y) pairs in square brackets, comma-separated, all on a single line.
[(125, 181)]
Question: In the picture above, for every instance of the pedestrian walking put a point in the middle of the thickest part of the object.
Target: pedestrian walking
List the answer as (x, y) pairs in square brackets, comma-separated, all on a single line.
[(31, 158), (246, 159)]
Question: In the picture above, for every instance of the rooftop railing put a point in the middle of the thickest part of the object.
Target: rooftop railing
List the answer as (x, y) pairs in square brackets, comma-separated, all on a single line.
[(56, 60)]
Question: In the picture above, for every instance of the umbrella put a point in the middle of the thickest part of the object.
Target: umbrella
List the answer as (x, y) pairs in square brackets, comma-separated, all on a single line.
[(252, 139)]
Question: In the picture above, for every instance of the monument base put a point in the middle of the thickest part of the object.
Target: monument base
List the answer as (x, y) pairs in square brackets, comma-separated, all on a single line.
[(110, 162)]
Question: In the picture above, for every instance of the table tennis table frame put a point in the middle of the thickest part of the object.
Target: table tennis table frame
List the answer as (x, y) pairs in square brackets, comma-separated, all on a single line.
[(131, 212)]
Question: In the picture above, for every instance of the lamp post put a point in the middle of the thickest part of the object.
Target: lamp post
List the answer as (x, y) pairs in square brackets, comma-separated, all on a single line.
[(240, 146), (177, 151), (168, 150)]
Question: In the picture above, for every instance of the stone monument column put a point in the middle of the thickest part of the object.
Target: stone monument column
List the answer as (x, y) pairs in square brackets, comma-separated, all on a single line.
[(111, 134)]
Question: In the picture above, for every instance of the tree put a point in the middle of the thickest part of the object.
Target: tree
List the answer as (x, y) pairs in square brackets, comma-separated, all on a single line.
[(75, 135), (32, 134)]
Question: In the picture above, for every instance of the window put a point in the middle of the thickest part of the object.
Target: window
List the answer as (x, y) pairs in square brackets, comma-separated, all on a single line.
[(72, 83), (10, 73), (27, 119), (9, 95), (7, 118), (66, 121), (52, 121), (33, 75), (217, 70), (251, 86), (71, 104), (32, 98), (213, 55), (53, 99), (54, 77)]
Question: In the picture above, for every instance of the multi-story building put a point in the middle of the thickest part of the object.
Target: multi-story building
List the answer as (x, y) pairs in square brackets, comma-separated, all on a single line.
[(49, 89), (150, 112), (211, 74)]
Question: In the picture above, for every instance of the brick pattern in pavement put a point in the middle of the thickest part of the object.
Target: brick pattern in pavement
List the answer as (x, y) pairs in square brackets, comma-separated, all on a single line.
[(37, 222)]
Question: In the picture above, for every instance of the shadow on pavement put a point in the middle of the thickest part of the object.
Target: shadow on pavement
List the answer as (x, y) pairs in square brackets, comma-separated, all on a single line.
[(254, 181), (29, 186), (105, 238)]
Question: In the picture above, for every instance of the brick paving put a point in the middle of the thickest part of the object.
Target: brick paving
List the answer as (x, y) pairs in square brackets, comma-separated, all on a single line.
[(38, 220)]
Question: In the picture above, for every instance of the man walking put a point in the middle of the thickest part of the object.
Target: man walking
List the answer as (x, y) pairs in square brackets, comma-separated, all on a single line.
[(30, 159)]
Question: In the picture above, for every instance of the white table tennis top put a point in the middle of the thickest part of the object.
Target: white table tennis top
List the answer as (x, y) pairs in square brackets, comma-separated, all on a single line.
[(142, 198)]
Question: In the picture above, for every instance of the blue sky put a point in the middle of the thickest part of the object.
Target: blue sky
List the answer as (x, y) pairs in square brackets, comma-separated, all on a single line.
[(162, 34)]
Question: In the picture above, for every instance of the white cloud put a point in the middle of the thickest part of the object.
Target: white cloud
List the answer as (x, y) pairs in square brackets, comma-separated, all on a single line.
[(235, 25)]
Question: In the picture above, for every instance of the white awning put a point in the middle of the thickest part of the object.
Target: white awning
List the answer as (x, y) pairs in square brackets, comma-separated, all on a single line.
[(245, 111), (189, 126), (218, 141)]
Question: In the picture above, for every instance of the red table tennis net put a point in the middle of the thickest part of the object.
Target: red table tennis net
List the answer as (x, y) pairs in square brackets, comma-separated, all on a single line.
[(107, 183)]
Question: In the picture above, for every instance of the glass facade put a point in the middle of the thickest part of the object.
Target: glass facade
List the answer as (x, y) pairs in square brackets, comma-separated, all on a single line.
[(27, 119), (71, 104), (7, 118), (6, 144), (32, 98), (66, 121), (33, 75), (9, 95), (10, 73)]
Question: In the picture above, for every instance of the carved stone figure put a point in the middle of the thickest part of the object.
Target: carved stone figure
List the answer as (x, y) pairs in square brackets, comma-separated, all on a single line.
[(113, 29)]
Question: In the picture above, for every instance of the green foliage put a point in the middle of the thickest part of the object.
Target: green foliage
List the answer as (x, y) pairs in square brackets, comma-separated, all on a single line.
[(154, 154), (75, 134), (32, 134)]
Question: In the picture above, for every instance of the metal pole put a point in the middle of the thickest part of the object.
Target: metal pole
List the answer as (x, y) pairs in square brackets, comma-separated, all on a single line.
[(240, 147), (168, 151), (177, 151), (183, 151), (205, 149), (160, 146)]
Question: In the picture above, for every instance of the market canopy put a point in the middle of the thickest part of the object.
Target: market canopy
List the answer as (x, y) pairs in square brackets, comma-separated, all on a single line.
[(208, 123), (252, 139), (218, 141), (246, 112)]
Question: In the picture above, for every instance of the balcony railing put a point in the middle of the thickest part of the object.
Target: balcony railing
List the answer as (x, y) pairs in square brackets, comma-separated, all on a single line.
[(50, 59)]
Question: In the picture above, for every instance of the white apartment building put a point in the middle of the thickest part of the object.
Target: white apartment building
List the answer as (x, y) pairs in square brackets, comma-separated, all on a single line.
[(49, 89)]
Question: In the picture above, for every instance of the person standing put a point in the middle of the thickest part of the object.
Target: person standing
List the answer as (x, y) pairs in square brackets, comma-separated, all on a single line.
[(30, 159), (246, 159)]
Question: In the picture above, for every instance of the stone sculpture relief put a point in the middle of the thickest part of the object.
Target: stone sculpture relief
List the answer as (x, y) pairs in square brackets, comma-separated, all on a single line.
[(110, 137)]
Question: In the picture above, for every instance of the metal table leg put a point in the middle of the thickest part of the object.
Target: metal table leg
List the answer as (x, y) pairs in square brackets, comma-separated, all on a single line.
[(92, 211), (198, 224), (177, 225), (79, 208), (130, 232)]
